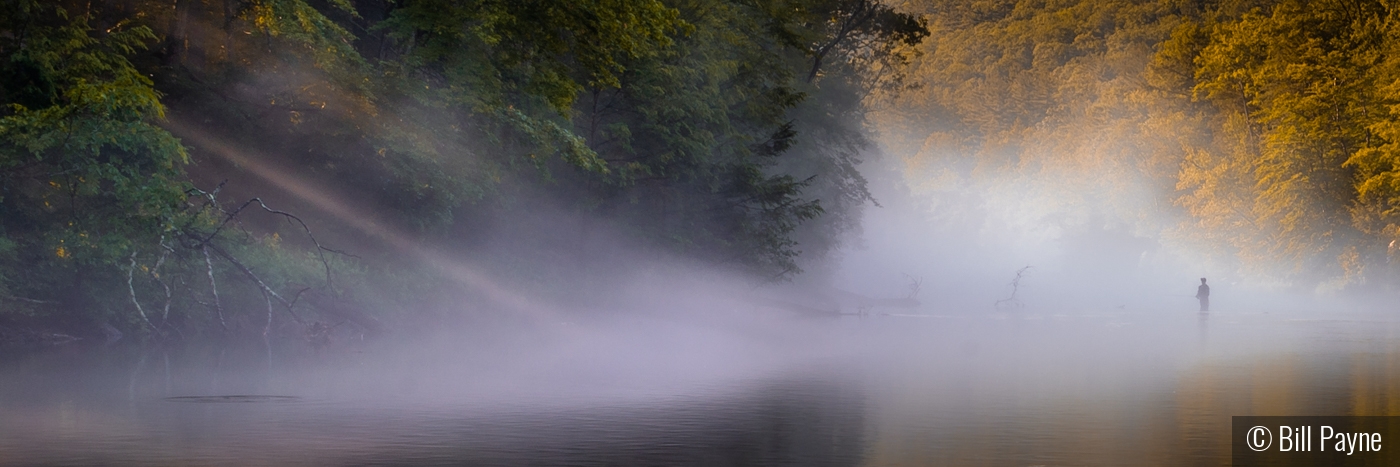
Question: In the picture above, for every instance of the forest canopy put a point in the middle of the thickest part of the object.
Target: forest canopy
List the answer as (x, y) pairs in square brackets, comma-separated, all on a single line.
[(180, 167), (1260, 135), (173, 168)]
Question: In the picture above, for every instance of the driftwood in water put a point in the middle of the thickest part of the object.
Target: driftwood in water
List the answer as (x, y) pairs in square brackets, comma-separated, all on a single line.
[(1011, 302)]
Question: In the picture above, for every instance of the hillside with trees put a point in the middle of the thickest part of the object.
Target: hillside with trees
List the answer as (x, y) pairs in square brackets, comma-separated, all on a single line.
[(1259, 135), (181, 168)]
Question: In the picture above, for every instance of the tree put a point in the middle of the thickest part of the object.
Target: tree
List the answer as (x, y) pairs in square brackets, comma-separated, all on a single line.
[(1298, 82), (88, 177)]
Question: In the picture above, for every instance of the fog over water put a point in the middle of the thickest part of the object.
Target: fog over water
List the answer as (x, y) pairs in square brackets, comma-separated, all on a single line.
[(425, 233), (985, 332), (1072, 388), (1087, 368)]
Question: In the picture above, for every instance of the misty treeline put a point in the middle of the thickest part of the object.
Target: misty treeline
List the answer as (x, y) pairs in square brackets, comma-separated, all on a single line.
[(182, 167), (1264, 134)]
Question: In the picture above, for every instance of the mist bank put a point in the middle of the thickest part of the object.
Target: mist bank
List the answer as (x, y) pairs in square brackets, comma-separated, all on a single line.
[(175, 170), (1245, 141)]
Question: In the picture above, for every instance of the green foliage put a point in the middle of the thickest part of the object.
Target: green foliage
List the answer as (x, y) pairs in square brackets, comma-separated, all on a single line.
[(323, 40), (724, 130), (86, 173), (480, 53), (96, 217), (687, 136), (674, 120)]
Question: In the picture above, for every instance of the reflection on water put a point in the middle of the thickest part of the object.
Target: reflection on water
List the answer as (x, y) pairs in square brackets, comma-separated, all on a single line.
[(1070, 389)]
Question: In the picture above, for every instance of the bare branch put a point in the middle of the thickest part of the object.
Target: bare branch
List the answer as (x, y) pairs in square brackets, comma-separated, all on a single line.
[(261, 285), (862, 11), (1011, 301), (132, 288), (155, 274), (320, 249), (298, 295), (214, 287), (267, 328), (28, 300), (915, 284)]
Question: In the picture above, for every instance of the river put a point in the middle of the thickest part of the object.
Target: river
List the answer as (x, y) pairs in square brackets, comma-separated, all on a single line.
[(1015, 389)]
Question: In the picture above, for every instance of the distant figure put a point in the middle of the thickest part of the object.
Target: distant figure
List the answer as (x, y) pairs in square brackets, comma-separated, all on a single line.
[(1203, 294)]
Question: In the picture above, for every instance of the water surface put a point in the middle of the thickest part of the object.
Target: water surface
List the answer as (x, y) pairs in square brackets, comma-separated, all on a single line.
[(1088, 388)]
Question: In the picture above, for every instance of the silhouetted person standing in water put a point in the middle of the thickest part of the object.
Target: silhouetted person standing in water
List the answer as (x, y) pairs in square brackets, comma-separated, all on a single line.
[(1203, 294)]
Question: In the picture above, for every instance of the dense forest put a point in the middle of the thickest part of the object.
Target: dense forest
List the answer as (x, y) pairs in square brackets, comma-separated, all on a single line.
[(1260, 136), (183, 168)]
